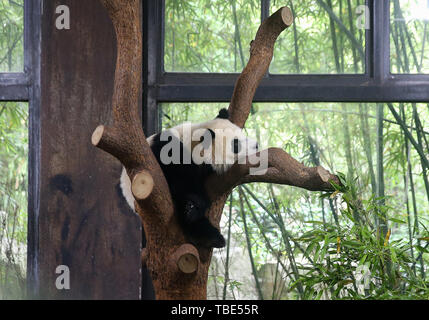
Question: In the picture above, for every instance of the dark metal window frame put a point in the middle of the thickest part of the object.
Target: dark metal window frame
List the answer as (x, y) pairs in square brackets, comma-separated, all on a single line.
[(16, 86), (377, 84), (25, 86)]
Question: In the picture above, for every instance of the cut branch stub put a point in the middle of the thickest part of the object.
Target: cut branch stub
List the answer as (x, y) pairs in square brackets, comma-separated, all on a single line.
[(287, 16), (186, 259), (109, 139), (324, 174), (261, 54), (97, 135), (142, 185)]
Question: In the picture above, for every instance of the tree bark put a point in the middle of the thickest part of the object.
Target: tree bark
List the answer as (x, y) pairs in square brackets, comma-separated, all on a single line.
[(179, 270)]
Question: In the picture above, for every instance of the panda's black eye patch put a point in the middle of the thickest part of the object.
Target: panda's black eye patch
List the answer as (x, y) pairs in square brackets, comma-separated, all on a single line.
[(236, 146)]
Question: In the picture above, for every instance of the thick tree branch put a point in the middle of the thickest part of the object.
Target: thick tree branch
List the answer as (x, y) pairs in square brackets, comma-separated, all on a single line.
[(125, 139), (281, 169), (261, 54)]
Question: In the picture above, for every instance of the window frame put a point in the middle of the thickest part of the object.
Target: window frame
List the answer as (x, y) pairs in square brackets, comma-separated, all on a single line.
[(25, 87), (377, 84)]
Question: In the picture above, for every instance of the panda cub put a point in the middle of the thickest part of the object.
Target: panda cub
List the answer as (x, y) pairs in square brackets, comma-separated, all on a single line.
[(188, 155)]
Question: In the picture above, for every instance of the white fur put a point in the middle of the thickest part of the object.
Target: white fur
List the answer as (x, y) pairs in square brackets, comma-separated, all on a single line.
[(227, 131), (126, 188)]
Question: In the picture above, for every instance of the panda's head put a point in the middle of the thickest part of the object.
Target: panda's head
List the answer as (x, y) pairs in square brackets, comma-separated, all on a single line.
[(221, 143)]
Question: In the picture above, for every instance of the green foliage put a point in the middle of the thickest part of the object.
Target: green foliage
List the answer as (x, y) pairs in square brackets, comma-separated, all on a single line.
[(200, 35), (278, 216), (13, 159), (355, 260), (295, 51), (11, 35), (409, 36), (214, 36), (13, 199)]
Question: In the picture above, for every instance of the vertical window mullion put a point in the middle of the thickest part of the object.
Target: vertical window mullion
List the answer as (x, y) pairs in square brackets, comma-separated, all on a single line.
[(33, 12), (369, 41), (27, 35), (265, 9), (381, 37), (152, 61)]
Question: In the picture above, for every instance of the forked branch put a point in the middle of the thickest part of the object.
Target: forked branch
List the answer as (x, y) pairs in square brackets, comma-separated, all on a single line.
[(179, 270)]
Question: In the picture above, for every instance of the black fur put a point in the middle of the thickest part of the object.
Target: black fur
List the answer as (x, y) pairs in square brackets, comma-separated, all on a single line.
[(223, 114), (186, 183)]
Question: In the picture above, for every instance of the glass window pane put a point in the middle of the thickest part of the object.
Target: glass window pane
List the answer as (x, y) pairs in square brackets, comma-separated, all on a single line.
[(209, 36), (318, 43), (409, 36), (342, 137), (289, 125), (13, 199), (12, 36)]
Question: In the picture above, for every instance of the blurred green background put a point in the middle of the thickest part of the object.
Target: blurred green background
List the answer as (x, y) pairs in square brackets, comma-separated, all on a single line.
[(13, 159)]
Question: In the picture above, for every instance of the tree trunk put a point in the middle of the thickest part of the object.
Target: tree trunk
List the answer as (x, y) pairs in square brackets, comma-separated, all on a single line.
[(179, 270)]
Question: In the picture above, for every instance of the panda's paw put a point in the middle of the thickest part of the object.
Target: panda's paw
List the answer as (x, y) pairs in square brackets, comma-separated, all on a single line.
[(218, 241), (213, 239), (204, 234)]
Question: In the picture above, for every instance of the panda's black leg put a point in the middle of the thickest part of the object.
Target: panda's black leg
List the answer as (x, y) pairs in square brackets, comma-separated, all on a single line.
[(197, 226), (203, 233)]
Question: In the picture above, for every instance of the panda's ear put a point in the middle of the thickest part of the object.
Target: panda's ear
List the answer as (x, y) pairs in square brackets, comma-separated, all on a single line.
[(211, 132), (206, 142), (223, 114)]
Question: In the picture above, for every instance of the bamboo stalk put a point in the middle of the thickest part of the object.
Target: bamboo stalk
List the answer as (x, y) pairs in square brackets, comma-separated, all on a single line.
[(249, 248)]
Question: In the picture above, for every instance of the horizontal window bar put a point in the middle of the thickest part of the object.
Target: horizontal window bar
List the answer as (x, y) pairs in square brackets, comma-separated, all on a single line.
[(13, 78), (14, 87), (227, 78), (297, 88)]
